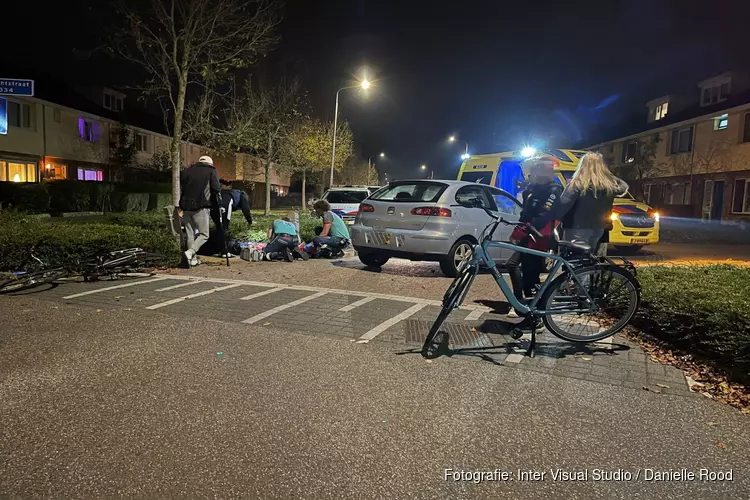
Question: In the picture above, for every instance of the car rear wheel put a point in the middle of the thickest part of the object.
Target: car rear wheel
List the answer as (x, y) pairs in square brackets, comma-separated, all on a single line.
[(459, 252), (372, 259)]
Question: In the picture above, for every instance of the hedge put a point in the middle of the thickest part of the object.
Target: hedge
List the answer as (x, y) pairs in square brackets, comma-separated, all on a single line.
[(62, 241), (700, 309)]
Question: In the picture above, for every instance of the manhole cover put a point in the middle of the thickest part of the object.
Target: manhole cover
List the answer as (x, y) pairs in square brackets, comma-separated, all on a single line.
[(459, 335)]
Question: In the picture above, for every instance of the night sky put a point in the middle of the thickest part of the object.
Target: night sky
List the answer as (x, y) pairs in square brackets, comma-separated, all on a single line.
[(495, 73)]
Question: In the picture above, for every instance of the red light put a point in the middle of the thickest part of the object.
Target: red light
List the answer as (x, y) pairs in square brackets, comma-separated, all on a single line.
[(364, 207), (431, 211)]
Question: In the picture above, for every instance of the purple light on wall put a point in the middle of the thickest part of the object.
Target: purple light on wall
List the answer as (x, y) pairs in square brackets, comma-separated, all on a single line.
[(82, 128)]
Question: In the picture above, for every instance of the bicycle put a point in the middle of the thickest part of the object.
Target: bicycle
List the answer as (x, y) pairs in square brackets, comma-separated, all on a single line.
[(581, 287), (110, 264)]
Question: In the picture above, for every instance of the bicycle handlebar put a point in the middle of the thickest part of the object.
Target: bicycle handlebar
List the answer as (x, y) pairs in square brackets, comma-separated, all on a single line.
[(533, 233)]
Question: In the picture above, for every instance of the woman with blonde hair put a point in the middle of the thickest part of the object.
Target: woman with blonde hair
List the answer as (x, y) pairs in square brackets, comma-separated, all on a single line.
[(586, 202)]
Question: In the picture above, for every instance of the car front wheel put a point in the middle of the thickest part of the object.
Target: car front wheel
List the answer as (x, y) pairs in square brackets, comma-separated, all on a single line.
[(459, 252)]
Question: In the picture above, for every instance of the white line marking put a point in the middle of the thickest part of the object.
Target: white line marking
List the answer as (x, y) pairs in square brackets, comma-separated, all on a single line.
[(180, 285), (264, 292), (273, 311), (514, 358), (389, 323), (474, 315), (354, 305), (399, 298), (114, 287), (192, 296)]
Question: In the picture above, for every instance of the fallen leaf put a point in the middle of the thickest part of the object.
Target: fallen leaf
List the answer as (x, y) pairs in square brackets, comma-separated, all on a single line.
[(657, 391), (266, 324), (127, 309), (99, 310), (118, 297), (720, 444), (586, 358), (663, 386), (473, 329), (712, 423), (709, 396), (428, 361), (139, 300), (746, 411), (724, 387)]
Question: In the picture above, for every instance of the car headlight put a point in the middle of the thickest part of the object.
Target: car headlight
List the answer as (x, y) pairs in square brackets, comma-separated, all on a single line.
[(656, 216), (613, 216)]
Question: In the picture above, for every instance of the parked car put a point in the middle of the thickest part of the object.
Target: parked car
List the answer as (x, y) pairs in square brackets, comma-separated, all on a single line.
[(345, 200), (422, 220)]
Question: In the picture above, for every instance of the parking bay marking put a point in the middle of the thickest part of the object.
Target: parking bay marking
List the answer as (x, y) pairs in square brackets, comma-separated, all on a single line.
[(105, 289), (264, 292), (273, 311), (179, 285), (192, 296), (389, 323), (356, 304)]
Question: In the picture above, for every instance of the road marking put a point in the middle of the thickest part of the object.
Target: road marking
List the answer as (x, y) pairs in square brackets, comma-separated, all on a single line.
[(75, 295), (389, 323), (354, 305), (180, 285), (514, 358), (474, 315), (192, 296), (264, 292), (273, 311), (398, 298)]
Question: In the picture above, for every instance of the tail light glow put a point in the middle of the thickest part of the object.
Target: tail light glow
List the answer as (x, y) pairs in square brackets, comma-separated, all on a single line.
[(431, 211), (364, 207)]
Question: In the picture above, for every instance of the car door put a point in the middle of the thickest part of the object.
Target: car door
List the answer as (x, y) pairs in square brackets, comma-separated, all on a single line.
[(504, 205), (471, 221)]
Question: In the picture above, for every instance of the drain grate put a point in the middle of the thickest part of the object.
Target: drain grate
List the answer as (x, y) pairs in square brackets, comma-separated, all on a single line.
[(460, 335)]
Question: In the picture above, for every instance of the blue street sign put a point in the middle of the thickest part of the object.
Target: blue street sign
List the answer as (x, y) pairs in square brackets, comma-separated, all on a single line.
[(3, 116), (16, 86)]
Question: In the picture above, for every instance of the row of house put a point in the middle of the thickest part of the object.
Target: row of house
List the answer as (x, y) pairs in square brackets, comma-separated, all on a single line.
[(690, 157), (62, 133)]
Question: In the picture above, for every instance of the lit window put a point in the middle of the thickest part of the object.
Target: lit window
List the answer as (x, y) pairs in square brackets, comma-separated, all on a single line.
[(661, 111), (88, 174), (721, 122), (17, 172), (54, 171), (628, 152), (88, 130)]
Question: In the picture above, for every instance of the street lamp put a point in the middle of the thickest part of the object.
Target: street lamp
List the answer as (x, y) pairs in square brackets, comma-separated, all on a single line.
[(369, 164), (424, 167), (454, 139), (364, 84)]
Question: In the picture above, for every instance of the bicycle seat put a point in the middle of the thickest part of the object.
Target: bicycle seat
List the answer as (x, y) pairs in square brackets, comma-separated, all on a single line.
[(575, 246)]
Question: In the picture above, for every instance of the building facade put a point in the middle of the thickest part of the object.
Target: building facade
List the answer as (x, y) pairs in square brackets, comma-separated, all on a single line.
[(692, 157)]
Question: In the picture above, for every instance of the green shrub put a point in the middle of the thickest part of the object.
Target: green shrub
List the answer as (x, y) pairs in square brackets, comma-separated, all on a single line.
[(700, 308), (261, 223), (28, 197), (70, 196), (143, 187), (150, 221), (157, 201), (60, 241), (135, 202)]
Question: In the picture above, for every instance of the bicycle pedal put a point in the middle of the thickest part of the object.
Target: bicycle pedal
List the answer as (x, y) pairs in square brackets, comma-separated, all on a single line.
[(516, 333)]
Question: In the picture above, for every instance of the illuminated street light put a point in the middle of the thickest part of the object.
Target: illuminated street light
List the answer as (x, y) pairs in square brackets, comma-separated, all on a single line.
[(528, 152), (466, 153), (364, 84), (369, 165), (424, 167)]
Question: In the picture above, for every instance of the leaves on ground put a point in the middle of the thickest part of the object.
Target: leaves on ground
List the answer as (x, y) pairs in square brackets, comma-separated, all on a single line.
[(720, 444), (663, 386)]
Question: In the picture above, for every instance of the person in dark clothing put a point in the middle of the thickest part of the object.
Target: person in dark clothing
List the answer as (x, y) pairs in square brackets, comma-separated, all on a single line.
[(538, 198), (233, 199), (586, 203), (199, 193), (283, 238)]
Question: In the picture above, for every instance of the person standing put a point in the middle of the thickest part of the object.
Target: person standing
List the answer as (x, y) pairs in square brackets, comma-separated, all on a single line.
[(200, 192)]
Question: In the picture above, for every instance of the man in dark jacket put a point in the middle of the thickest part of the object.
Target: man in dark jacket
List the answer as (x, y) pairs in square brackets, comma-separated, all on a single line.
[(231, 199), (200, 191)]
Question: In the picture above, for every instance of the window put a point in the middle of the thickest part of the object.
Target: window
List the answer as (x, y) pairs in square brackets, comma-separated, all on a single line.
[(140, 142), (88, 130), (13, 171), (628, 152), (477, 177), (721, 122), (472, 194), (107, 101), (54, 171), (741, 198), (19, 115), (118, 104), (90, 174), (647, 193), (56, 115), (411, 192), (112, 102), (682, 141), (661, 111), (714, 94), (505, 203), (350, 197)]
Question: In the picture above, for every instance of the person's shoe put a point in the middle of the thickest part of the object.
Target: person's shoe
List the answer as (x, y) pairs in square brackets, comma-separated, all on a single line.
[(337, 254), (302, 254), (512, 313), (527, 323), (226, 255), (288, 255), (195, 261), (188, 258)]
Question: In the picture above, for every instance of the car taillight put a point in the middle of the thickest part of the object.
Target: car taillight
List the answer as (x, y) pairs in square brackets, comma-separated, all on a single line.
[(364, 207), (434, 211)]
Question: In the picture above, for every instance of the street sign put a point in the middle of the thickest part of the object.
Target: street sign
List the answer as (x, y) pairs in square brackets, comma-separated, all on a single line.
[(3, 116), (16, 86)]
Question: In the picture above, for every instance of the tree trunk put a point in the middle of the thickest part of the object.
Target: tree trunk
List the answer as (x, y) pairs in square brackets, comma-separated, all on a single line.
[(268, 176), (304, 186), (174, 147)]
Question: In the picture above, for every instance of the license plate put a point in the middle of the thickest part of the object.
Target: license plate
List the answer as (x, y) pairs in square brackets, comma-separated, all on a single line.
[(639, 240)]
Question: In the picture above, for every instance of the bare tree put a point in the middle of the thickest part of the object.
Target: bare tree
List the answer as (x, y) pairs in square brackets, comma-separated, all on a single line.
[(192, 43), (643, 165)]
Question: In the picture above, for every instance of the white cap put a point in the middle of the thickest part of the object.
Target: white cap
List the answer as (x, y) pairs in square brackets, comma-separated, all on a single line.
[(206, 159)]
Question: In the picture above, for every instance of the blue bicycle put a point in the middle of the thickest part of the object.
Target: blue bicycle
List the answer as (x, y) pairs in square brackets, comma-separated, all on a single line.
[(583, 299)]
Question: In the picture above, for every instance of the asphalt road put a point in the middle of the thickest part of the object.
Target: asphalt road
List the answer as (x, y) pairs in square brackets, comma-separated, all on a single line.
[(113, 402)]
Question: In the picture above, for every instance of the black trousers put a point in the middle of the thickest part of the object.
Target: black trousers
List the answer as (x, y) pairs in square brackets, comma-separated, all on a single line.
[(280, 242), (524, 270)]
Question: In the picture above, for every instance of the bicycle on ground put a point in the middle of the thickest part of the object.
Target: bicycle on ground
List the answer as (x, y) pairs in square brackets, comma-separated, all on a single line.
[(111, 265), (584, 298)]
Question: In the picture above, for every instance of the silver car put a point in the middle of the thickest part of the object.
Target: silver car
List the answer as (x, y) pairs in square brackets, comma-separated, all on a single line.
[(423, 220)]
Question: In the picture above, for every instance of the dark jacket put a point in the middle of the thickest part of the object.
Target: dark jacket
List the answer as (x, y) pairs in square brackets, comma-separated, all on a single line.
[(538, 200), (200, 187), (578, 210), (239, 201)]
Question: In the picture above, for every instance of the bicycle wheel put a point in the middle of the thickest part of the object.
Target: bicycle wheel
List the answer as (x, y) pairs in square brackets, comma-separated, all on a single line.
[(434, 343), (615, 292), (32, 280), (454, 295)]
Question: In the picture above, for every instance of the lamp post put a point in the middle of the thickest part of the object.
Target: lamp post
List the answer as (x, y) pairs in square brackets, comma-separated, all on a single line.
[(365, 84), (369, 165), (454, 139), (424, 167)]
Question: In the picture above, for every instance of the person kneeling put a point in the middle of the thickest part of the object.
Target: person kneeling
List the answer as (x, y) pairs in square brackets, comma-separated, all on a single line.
[(334, 234), (283, 241)]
